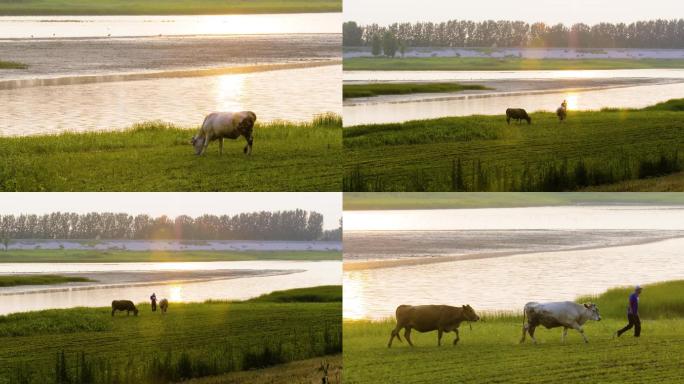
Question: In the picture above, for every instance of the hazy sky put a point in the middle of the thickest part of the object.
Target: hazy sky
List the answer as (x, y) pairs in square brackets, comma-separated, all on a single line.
[(549, 11), (175, 204)]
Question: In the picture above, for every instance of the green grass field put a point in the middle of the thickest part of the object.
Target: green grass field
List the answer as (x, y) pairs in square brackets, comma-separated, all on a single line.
[(354, 201), (191, 341), (377, 89), (164, 7), (491, 353), (12, 281), (159, 157), (12, 65), (483, 153), (122, 256), (494, 64)]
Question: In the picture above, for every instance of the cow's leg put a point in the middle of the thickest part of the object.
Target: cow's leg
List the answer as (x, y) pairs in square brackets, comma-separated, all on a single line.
[(395, 332), (439, 337), (221, 146), (524, 333), (407, 335), (458, 337), (579, 329), (531, 332), (564, 334), (113, 312)]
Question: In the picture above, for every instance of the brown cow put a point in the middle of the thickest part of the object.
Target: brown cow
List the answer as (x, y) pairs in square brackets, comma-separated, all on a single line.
[(427, 318), (124, 305)]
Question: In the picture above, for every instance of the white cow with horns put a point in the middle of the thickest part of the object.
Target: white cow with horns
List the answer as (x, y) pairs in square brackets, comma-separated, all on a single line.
[(566, 314)]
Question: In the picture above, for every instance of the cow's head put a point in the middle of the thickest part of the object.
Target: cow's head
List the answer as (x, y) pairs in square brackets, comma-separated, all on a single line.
[(245, 127), (593, 311), (198, 143), (469, 313), (135, 311)]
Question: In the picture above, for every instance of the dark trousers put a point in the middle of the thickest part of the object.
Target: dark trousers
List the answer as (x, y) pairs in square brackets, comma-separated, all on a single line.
[(633, 322)]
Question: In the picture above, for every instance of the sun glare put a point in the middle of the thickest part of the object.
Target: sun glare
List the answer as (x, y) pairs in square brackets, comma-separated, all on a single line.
[(230, 87), (176, 293), (572, 100), (353, 306)]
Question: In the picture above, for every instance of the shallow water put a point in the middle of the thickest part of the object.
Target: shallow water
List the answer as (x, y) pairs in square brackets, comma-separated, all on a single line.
[(613, 246), (507, 283), (102, 26), (23, 299), (288, 94), (388, 109)]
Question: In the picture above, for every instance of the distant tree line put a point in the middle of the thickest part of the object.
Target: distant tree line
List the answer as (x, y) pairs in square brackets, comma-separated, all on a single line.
[(282, 225), (519, 34)]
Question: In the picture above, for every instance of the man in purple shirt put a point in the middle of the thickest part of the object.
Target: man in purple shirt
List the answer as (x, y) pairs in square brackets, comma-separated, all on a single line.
[(633, 314)]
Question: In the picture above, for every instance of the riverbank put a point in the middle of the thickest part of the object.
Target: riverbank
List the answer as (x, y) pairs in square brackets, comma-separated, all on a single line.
[(494, 340), (501, 64), (165, 7), (12, 65), (170, 347), (483, 153), (157, 156), (17, 280)]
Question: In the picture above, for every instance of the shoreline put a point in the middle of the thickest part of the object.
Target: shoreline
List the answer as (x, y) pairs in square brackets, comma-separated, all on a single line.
[(348, 266), (177, 73), (107, 280)]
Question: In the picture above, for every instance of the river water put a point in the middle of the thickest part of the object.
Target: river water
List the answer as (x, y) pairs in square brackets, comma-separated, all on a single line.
[(236, 280), (103, 26), (532, 90), (499, 259)]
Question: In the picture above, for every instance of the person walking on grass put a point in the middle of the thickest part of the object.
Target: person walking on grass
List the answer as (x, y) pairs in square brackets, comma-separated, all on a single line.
[(632, 314), (153, 299)]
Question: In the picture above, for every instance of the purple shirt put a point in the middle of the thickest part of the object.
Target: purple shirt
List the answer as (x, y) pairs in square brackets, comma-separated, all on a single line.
[(633, 308)]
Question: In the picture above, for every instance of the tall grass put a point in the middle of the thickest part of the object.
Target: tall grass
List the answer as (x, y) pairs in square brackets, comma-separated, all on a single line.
[(658, 301)]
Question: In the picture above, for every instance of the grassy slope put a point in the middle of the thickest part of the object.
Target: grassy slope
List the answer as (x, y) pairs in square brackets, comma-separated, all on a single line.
[(322, 294), (117, 256), (31, 340), (493, 64), (490, 353), (11, 281), (377, 89), (12, 65), (298, 372), (165, 7), (669, 183), (156, 157), (443, 200), (419, 155)]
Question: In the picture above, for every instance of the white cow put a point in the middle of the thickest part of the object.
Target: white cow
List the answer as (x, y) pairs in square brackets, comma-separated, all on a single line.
[(220, 125), (564, 314)]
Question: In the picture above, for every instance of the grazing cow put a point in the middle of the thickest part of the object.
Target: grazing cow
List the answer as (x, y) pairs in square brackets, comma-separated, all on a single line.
[(220, 125), (564, 314), (164, 305), (124, 305), (427, 318), (562, 111), (517, 114)]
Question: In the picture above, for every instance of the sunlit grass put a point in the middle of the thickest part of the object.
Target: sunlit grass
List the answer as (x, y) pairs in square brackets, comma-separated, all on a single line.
[(191, 340), (156, 156), (483, 153), (490, 352), (12, 65)]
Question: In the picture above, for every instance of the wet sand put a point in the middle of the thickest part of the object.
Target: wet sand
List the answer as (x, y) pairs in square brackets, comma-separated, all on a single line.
[(143, 278), (90, 56), (354, 265)]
